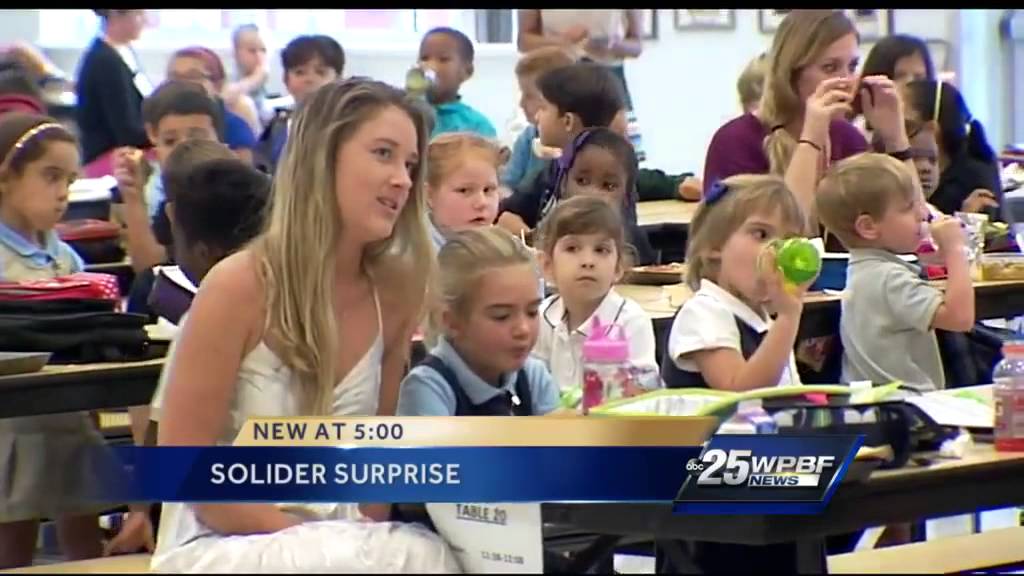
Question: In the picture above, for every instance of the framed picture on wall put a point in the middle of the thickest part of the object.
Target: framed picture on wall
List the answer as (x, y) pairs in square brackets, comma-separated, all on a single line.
[(871, 24), (939, 51), (648, 24), (696, 19), (768, 20)]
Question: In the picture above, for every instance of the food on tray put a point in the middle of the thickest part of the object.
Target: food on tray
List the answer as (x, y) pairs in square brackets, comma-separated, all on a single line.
[(1002, 268), (672, 268)]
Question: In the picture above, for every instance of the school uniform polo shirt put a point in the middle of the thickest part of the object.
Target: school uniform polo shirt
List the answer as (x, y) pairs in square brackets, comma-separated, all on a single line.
[(707, 321), (562, 350), (426, 393), (458, 116), (886, 322), (22, 260)]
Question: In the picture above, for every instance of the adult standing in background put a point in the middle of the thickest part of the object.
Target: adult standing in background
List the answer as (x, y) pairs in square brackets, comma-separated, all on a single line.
[(606, 37), (251, 68), (801, 125), (111, 87)]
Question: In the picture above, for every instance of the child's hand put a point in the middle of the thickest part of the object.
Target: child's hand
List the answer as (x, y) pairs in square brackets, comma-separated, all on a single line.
[(136, 534), (690, 189), (375, 512), (948, 235), (128, 173), (513, 223), (784, 299), (979, 200)]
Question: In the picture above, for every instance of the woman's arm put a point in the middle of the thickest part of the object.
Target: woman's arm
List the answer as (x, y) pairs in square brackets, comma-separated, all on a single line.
[(802, 174), (201, 382), (831, 99), (531, 33), (397, 347), (631, 45)]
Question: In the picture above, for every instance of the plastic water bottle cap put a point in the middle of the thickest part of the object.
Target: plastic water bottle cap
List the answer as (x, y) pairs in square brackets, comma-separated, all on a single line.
[(605, 343)]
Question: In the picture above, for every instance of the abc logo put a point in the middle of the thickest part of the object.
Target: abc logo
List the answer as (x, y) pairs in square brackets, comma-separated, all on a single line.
[(694, 466)]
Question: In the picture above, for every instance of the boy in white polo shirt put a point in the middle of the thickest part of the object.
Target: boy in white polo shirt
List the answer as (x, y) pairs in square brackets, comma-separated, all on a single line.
[(873, 204)]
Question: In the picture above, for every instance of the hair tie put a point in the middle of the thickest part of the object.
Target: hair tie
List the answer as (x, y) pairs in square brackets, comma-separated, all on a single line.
[(25, 138), (776, 128), (715, 193)]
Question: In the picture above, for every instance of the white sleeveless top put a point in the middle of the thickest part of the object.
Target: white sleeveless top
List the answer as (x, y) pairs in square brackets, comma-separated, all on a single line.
[(266, 388), (600, 23)]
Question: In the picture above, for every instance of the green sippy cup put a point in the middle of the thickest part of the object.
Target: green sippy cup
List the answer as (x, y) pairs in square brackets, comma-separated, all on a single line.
[(797, 259)]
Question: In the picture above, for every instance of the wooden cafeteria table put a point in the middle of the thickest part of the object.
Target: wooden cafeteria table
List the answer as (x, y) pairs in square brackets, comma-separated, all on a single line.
[(983, 479), (993, 299), (79, 387), (665, 212)]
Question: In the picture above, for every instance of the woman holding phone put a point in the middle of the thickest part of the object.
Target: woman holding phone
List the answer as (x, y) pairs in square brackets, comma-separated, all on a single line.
[(800, 127)]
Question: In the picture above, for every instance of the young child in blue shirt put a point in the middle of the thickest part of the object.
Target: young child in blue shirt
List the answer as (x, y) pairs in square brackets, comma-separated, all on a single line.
[(449, 53), (309, 62), (524, 164), (572, 99), (203, 66), (176, 112), (42, 456), (488, 318)]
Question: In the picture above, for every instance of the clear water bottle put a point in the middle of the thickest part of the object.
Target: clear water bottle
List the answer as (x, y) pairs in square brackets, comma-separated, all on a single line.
[(418, 81), (606, 369), (1009, 398)]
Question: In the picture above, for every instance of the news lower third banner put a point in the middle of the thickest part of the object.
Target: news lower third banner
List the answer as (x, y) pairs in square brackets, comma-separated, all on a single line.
[(767, 474), (484, 460)]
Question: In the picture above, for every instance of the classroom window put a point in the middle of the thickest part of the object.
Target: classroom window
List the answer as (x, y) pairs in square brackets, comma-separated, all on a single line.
[(361, 29)]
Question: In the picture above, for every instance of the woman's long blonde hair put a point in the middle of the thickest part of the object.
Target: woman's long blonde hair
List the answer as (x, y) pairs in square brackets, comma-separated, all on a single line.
[(296, 251), (801, 38)]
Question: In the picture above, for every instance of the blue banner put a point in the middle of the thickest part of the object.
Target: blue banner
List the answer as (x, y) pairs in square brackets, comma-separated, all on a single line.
[(766, 474), (401, 474)]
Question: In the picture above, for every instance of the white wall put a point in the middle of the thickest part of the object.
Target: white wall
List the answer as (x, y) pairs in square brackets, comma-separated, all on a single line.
[(683, 85)]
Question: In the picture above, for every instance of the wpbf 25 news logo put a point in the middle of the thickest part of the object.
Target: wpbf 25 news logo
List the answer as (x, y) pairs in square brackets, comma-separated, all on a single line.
[(766, 474)]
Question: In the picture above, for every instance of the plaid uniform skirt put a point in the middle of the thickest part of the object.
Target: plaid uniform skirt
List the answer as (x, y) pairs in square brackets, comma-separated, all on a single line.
[(50, 466)]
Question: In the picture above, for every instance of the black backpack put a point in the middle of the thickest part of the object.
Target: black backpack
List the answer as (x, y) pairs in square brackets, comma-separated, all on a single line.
[(75, 331)]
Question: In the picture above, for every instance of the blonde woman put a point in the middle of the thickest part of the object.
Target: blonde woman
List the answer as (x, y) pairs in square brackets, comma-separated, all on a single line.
[(314, 318), (800, 126)]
